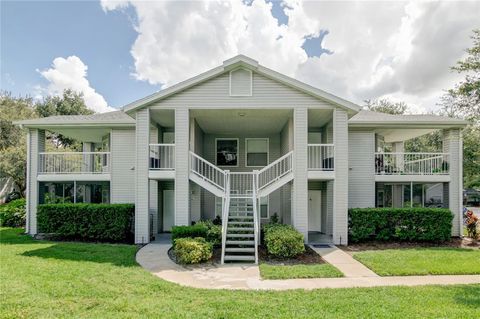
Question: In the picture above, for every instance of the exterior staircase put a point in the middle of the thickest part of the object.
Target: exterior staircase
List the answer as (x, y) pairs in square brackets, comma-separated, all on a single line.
[(240, 192)]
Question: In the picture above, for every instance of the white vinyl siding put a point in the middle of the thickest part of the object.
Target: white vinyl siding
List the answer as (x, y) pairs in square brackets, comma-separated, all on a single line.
[(123, 164), (266, 93), (361, 179), (241, 82)]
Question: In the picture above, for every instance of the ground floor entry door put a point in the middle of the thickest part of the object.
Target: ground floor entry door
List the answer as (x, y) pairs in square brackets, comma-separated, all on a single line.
[(314, 210), (168, 209)]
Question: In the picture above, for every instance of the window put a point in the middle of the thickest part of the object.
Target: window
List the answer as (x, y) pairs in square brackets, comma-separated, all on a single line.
[(256, 151), (227, 151), (74, 192), (263, 203)]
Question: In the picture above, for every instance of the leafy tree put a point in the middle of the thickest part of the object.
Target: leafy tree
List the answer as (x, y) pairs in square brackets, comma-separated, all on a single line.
[(464, 101), (386, 106), (70, 103), (13, 149)]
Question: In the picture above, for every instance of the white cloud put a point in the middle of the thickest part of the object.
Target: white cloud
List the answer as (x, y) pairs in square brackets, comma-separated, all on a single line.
[(71, 73), (401, 50)]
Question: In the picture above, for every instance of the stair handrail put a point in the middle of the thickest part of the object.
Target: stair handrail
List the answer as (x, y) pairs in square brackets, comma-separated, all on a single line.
[(225, 211), (218, 173), (256, 220), (281, 167)]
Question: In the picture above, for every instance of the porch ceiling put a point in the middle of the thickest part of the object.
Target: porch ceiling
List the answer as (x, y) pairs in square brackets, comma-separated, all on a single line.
[(240, 121), (399, 135), (82, 133)]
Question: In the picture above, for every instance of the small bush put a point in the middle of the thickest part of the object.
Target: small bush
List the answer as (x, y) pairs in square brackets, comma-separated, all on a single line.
[(99, 222), (197, 230), (399, 224), (192, 250), (283, 241), (472, 223), (13, 214), (214, 232)]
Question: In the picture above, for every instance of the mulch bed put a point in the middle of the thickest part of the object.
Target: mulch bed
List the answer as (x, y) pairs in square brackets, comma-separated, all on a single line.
[(377, 245), (308, 257)]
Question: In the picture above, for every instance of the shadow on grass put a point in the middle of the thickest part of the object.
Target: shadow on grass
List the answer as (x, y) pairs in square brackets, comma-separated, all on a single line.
[(469, 296), (118, 255), (16, 236), (115, 254)]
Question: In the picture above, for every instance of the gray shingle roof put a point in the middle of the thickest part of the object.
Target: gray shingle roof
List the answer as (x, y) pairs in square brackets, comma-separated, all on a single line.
[(365, 117), (115, 117)]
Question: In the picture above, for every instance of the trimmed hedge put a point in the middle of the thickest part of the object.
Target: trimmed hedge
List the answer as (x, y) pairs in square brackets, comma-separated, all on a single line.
[(13, 213), (283, 241), (214, 232), (197, 230), (99, 222), (399, 224), (192, 250)]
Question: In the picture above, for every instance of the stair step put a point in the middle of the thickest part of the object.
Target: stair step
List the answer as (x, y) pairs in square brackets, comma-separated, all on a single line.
[(240, 223), (239, 250), (240, 228), (240, 235), (240, 217), (239, 258), (240, 242)]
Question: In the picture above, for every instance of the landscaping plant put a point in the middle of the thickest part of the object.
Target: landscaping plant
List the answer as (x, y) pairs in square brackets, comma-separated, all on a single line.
[(12, 214), (192, 250), (98, 222), (472, 223), (283, 241), (399, 224)]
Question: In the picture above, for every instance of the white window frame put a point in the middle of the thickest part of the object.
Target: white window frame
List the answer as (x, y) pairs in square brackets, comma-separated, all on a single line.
[(230, 82), (268, 208), (246, 150), (238, 150)]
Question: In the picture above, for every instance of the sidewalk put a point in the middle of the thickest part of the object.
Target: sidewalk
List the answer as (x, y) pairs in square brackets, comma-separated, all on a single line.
[(154, 258)]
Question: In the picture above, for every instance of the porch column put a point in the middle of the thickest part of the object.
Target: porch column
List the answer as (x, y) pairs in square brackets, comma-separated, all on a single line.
[(88, 159), (182, 156), (153, 198), (340, 185), (142, 130), (35, 145), (300, 181), (453, 145), (398, 147)]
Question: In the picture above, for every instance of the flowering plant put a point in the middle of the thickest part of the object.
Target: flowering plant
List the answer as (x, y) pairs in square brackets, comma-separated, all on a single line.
[(472, 223)]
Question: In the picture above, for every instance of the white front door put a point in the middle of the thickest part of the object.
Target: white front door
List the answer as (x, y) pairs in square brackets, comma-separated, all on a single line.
[(314, 210), (168, 209)]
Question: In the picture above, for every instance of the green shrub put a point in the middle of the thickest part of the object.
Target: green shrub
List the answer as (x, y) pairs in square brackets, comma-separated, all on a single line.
[(283, 241), (197, 230), (100, 222), (192, 250), (13, 214), (399, 224), (214, 232)]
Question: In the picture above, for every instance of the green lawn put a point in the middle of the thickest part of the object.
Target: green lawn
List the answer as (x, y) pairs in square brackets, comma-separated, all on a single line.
[(40, 279), (421, 261), (298, 271)]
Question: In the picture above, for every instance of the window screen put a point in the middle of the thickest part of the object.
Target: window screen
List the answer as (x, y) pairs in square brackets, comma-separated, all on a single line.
[(257, 152)]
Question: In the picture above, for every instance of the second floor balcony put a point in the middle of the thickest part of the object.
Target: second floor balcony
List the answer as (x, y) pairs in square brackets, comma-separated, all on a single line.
[(411, 163), (74, 163)]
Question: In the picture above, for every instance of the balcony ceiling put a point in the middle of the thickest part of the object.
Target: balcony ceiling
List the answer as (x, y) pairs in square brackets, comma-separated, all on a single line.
[(242, 121)]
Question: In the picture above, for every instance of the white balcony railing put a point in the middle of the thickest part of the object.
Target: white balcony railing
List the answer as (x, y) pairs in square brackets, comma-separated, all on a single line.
[(411, 163), (162, 156), (321, 157), (241, 183), (74, 163), (276, 170)]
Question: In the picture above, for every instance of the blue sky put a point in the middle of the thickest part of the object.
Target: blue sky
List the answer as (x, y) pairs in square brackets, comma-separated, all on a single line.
[(34, 33), (356, 50)]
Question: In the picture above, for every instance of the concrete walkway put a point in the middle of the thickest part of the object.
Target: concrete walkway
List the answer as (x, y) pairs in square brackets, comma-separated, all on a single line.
[(154, 258)]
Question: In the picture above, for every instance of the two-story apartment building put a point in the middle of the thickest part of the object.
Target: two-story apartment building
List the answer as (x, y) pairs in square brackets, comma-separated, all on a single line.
[(244, 142)]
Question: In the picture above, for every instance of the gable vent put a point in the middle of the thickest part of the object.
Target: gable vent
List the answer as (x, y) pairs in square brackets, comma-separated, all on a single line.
[(241, 82)]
